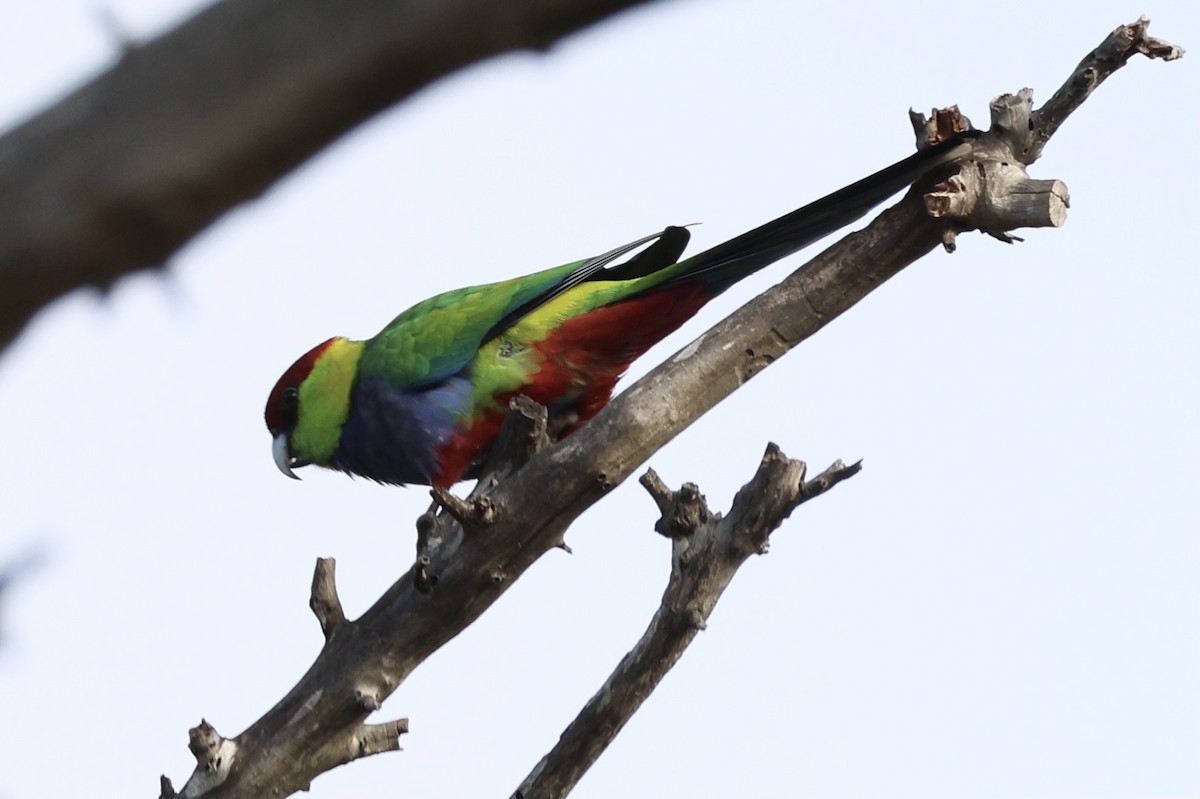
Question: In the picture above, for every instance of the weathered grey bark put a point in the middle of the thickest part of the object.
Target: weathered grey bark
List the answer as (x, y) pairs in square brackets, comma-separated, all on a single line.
[(992, 194), (461, 569), (709, 549), (124, 171)]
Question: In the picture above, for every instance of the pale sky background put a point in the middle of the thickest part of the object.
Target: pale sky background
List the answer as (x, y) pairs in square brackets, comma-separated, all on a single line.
[(1004, 603)]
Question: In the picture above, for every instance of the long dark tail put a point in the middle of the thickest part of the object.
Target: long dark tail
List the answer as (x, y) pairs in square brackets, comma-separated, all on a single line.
[(725, 264)]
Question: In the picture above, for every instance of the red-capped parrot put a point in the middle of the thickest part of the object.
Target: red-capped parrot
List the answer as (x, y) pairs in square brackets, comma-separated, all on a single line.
[(422, 401)]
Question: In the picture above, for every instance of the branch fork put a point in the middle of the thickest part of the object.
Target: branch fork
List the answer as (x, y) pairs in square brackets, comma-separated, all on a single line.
[(716, 546), (318, 724), (440, 530), (992, 192), (683, 511), (214, 758)]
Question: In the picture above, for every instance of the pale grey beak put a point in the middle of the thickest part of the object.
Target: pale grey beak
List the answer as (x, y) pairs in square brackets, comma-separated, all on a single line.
[(283, 459)]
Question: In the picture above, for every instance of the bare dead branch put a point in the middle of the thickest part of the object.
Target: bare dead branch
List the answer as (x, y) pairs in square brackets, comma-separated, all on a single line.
[(683, 511), (998, 196), (827, 479), (324, 600), (456, 577), (941, 124), (708, 550), (473, 513), (1109, 56), (214, 759), (995, 195), (378, 738), (524, 433), (662, 495), (122, 172)]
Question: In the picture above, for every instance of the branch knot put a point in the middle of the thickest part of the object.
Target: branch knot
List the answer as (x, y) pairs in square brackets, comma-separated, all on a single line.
[(683, 511)]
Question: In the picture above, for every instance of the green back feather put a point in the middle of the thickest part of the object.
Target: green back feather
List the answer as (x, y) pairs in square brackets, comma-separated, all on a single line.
[(438, 337)]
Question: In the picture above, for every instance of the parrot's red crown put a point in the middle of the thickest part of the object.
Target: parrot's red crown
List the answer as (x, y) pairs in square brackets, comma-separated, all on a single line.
[(281, 404)]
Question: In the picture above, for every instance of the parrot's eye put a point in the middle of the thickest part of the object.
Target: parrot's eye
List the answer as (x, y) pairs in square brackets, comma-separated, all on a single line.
[(289, 400)]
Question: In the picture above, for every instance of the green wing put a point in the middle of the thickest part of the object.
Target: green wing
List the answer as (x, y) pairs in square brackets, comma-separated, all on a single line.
[(438, 337)]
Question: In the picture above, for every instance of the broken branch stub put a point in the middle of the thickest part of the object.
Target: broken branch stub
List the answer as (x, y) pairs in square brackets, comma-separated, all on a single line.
[(214, 758), (324, 601), (992, 192)]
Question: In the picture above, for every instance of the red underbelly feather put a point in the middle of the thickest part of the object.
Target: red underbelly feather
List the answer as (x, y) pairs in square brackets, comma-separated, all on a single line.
[(582, 359)]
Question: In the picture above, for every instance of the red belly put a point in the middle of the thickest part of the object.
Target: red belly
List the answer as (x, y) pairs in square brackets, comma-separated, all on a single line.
[(582, 359)]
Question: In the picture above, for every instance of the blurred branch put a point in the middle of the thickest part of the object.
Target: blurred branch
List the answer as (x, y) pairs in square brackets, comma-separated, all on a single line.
[(124, 171), (469, 552), (17, 569)]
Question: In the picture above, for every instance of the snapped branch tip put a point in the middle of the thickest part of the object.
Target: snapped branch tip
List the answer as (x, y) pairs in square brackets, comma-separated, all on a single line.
[(324, 601), (470, 513), (374, 739)]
